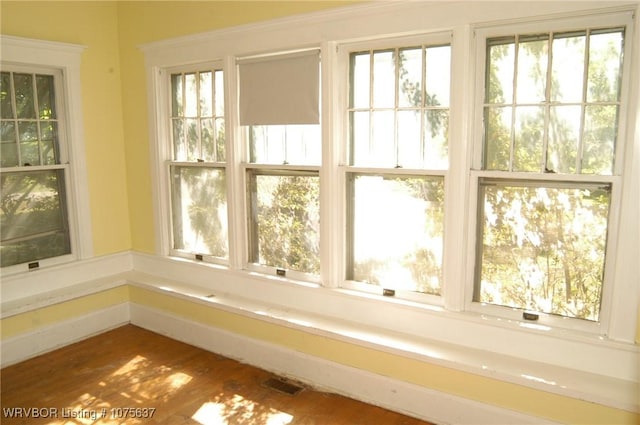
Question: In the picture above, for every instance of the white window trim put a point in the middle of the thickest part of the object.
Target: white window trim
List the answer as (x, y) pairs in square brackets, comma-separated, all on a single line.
[(343, 51), (164, 151), (450, 323), (67, 58), (616, 238)]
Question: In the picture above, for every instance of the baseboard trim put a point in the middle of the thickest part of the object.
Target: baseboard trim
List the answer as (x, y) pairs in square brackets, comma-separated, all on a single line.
[(57, 335), (403, 397)]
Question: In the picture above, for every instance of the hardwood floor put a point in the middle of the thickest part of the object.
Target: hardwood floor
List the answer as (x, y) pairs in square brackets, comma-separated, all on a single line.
[(132, 376)]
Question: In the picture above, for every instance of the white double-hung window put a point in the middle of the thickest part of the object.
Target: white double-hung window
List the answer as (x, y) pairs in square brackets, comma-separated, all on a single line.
[(279, 115), (397, 161), (34, 206), (44, 217), (549, 166), (197, 168)]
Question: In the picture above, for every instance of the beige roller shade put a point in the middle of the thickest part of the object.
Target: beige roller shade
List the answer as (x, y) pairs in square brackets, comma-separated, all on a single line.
[(282, 89)]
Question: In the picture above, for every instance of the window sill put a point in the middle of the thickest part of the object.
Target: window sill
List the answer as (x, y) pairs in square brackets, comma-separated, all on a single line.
[(553, 378), (447, 339)]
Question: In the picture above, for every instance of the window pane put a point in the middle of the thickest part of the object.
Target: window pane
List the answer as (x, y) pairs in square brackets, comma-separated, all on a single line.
[(23, 86), (206, 94), (220, 140), (605, 61), (436, 135), (9, 154), (409, 147), (398, 232), (383, 149), (285, 144), (567, 68), (529, 133), (199, 202), (497, 138), (564, 134), (384, 77), (438, 75), (285, 211), (360, 80), (193, 139), (191, 95), (46, 100), (405, 126), (359, 137), (179, 144), (532, 69), (600, 128), (176, 95), (207, 133), (410, 80), (543, 247), (49, 142), (219, 93), (500, 70), (6, 110), (33, 219), (29, 149), (198, 129)]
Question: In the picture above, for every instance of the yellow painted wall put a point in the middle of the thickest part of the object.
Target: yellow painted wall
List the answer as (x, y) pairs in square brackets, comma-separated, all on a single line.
[(93, 24), (117, 146)]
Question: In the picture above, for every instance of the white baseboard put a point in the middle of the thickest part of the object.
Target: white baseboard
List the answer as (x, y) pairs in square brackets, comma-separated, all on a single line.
[(51, 337), (410, 399)]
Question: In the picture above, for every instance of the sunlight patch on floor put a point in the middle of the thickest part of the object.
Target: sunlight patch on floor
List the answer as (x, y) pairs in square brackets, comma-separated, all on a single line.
[(239, 410)]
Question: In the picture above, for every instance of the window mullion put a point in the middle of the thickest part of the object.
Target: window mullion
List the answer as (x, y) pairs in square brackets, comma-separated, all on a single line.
[(198, 118), (512, 143), (371, 108), (14, 105), (547, 103), (423, 108), (396, 105), (236, 152), (583, 108)]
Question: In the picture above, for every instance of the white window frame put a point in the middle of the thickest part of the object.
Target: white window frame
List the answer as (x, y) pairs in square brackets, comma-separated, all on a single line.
[(452, 322), (247, 167), (618, 179), (166, 148), (344, 51), (66, 59)]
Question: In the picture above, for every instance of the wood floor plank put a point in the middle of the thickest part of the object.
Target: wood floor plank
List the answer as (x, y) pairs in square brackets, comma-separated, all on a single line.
[(164, 382)]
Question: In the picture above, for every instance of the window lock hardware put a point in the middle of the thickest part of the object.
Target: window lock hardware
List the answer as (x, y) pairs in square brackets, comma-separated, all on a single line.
[(281, 272), (199, 257), (527, 315), (34, 265), (199, 160), (388, 292)]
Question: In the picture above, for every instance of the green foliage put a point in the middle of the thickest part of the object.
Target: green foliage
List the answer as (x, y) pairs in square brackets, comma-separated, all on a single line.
[(543, 248), (206, 190), (32, 220), (288, 222)]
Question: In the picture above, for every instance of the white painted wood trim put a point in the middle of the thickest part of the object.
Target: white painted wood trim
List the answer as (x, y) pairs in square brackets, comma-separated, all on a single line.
[(334, 28), (409, 399), (42, 340), (325, 309), (45, 284), (67, 57)]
